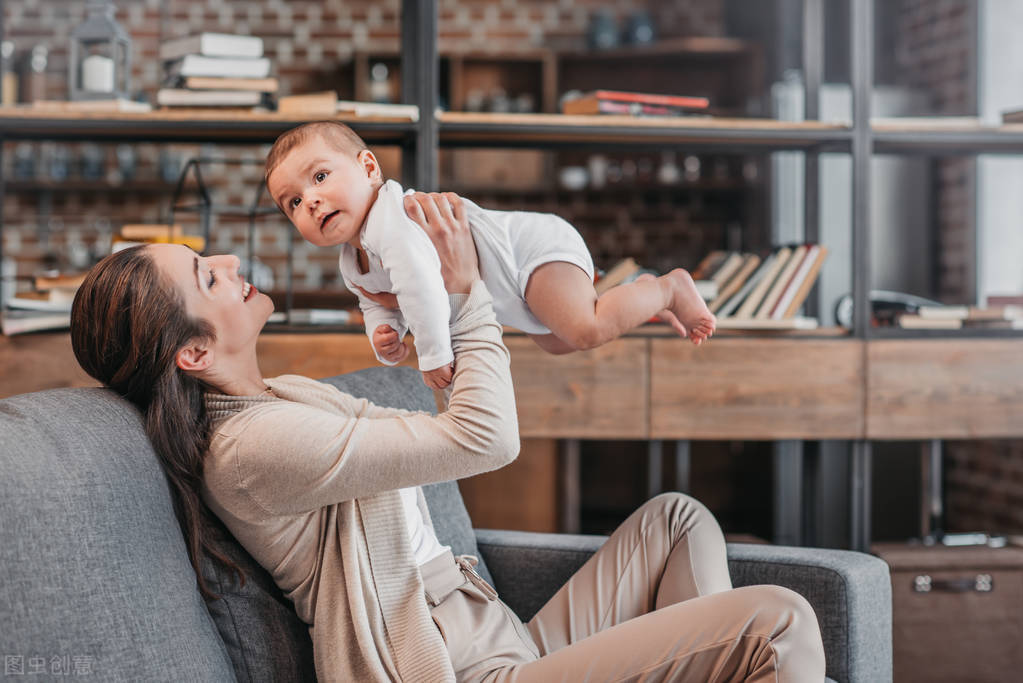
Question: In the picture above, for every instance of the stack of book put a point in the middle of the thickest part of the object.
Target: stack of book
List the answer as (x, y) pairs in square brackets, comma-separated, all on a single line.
[(995, 315), (762, 291), (47, 307), (216, 70)]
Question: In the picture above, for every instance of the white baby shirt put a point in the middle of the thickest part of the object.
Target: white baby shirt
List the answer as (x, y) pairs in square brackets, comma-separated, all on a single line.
[(402, 260)]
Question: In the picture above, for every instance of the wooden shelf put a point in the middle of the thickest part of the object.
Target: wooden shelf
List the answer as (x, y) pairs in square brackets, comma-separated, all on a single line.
[(178, 125), (460, 129)]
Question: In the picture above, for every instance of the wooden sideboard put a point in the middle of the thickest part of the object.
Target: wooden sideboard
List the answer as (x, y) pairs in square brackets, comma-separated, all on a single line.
[(649, 386)]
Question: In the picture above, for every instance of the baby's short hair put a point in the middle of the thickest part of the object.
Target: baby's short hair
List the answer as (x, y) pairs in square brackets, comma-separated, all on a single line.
[(334, 133)]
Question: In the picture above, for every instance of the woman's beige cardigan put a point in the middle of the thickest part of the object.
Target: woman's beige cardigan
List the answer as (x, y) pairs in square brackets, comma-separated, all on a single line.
[(308, 485)]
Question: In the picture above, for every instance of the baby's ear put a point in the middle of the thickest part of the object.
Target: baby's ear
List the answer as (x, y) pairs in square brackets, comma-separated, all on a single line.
[(370, 164)]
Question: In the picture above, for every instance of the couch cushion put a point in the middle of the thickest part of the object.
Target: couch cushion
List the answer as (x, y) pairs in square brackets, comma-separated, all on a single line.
[(94, 575)]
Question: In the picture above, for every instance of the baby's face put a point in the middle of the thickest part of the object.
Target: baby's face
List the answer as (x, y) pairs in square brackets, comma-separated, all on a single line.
[(324, 192)]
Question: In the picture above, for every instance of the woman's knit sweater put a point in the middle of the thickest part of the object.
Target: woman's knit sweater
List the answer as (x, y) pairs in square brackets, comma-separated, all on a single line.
[(307, 481)]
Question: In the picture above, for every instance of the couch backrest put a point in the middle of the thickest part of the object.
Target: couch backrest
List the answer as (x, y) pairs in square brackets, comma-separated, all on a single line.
[(94, 575), (94, 565)]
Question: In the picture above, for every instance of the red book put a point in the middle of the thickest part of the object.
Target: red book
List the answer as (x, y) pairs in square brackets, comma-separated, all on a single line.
[(590, 103)]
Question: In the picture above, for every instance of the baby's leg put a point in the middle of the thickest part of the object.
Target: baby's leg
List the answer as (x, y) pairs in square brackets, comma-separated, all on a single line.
[(562, 297)]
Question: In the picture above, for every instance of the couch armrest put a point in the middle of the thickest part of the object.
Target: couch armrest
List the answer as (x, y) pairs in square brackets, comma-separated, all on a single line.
[(849, 591)]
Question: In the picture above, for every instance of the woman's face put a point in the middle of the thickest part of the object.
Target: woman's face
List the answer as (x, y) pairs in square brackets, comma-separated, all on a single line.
[(213, 290)]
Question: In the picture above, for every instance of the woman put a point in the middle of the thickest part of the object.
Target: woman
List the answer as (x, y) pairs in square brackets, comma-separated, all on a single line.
[(323, 490)]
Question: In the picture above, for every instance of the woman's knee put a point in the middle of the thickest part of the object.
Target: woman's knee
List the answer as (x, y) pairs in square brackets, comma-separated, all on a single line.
[(784, 611), (684, 512)]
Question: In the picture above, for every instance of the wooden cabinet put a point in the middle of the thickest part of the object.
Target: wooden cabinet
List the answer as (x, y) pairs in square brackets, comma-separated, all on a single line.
[(944, 389), (742, 389), (650, 387)]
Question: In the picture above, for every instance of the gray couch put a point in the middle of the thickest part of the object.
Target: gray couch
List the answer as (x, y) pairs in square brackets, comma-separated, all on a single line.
[(95, 579)]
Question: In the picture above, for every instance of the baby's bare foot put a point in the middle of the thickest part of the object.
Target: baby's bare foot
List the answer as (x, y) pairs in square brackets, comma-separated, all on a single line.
[(689, 306), (666, 316)]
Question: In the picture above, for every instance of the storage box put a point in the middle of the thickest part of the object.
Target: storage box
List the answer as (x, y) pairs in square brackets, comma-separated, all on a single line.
[(957, 612)]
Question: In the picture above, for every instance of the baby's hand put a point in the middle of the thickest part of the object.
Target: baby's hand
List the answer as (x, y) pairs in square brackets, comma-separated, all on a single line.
[(388, 344), (439, 378)]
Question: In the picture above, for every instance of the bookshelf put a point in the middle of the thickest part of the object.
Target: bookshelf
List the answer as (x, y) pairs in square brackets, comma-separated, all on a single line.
[(856, 385)]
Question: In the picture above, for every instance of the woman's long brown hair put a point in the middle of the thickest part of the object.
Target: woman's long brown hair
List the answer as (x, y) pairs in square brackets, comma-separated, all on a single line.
[(127, 325)]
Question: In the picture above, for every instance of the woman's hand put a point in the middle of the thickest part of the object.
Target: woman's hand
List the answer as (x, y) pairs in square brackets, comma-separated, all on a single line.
[(442, 216)]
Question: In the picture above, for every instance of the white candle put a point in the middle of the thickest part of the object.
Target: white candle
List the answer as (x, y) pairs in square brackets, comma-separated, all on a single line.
[(98, 74)]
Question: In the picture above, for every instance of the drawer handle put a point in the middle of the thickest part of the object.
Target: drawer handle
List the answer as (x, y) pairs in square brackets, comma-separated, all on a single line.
[(982, 583)]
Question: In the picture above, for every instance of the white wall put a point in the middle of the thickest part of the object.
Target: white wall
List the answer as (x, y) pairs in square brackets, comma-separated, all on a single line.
[(999, 179)]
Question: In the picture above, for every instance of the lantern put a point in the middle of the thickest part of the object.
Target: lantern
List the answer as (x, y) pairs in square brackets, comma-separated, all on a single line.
[(99, 66)]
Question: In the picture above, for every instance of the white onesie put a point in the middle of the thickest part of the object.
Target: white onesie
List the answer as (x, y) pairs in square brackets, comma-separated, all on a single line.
[(402, 260)]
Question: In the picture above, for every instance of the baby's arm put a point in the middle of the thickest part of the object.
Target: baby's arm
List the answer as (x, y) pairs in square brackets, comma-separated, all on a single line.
[(379, 317), (411, 263)]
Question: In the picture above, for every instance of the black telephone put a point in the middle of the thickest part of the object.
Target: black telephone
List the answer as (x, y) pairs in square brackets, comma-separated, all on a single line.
[(885, 307)]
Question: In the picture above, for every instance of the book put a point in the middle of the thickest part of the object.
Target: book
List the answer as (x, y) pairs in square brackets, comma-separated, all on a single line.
[(707, 289), (1005, 300), (312, 104), (194, 242), (218, 83), (313, 316), (751, 283), (625, 109), (807, 284), (943, 312), (40, 303), (20, 322), (728, 268), (749, 306), (780, 283), (45, 283), (616, 275), (708, 265), (749, 264), (212, 45), (225, 67), (798, 323), (971, 313), (912, 321), (590, 103), (795, 282), (145, 231), (399, 111), (179, 97)]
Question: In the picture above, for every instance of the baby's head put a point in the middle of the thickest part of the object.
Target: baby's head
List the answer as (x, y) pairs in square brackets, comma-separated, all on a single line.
[(324, 179)]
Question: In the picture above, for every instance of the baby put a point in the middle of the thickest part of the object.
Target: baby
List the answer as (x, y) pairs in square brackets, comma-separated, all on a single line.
[(536, 266)]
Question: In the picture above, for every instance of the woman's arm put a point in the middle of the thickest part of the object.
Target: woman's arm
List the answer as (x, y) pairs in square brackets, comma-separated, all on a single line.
[(292, 458)]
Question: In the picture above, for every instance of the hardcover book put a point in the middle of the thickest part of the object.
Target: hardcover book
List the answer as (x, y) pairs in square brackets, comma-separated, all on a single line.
[(212, 45)]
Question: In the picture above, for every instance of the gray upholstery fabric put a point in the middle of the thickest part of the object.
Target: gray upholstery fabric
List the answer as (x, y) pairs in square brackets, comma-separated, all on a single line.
[(93, 565), (402, 387), (850, 592)]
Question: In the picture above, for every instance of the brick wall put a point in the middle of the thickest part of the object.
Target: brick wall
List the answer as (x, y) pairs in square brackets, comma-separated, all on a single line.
[(310, 44), (934, 42)]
